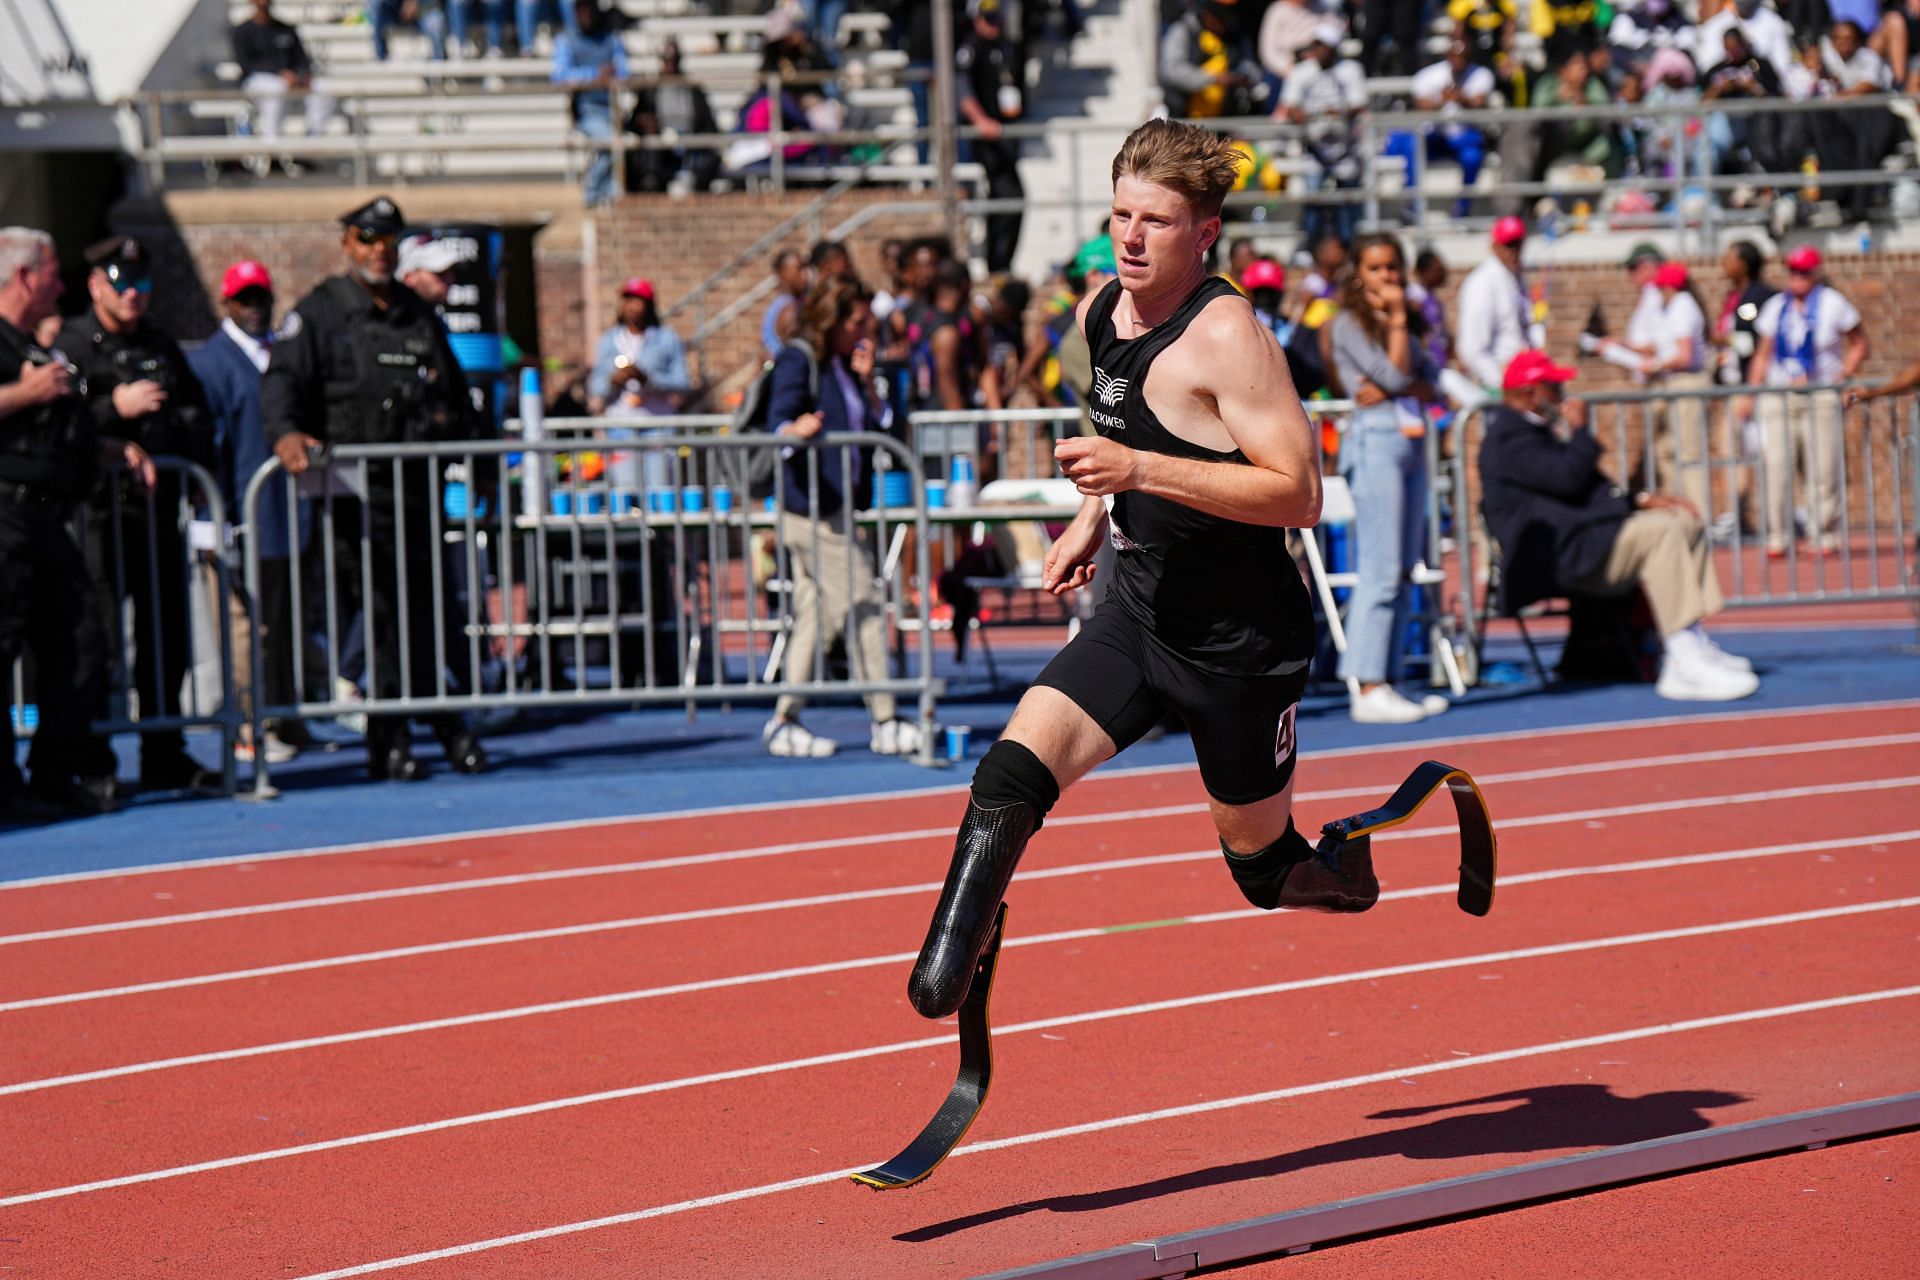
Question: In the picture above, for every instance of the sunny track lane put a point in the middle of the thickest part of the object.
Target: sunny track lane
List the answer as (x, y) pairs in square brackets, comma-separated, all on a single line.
[(57, 965), (407, 863), (213, 1110), (983, 1210), (458, 1179)]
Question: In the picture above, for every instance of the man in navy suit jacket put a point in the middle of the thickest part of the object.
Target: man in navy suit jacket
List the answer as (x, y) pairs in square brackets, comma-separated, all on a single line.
[(229, 365)]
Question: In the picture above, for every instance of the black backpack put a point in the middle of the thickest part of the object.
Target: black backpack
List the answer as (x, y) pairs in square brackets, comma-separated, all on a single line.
[(761, 466)]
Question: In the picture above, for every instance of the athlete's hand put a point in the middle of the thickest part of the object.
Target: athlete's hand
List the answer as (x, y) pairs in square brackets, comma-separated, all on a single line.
[(1069, 562), (1097, 466)]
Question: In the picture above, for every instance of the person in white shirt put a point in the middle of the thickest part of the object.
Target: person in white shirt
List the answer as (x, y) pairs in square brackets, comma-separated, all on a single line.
[(1768, 35), (1857, 139), (1285, 32), (1448, 86), (1496, 315), (1808, 336), (1327, 93)]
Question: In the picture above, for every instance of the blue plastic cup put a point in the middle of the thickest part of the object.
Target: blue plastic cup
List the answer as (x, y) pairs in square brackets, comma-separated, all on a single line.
[(722, 498), (562, 503), (693, 498), (958, 738), (659, 501), (896, 489), (936, 493)]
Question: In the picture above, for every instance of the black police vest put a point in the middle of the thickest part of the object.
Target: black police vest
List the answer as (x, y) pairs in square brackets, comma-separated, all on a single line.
[(111, 360), (49, 448), (382, 378), (1222, 594)]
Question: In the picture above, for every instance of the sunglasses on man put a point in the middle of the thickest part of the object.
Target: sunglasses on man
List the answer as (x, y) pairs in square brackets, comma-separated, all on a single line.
[(128, 279), (366, 236)]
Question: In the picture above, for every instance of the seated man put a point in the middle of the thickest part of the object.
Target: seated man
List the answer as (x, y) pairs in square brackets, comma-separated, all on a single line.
[(273, 64), (1446, 87), (1564, 527)]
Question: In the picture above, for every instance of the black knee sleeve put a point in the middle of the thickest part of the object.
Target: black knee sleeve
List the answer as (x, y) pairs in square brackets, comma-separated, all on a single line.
[(1262, 875), (1009, 773)]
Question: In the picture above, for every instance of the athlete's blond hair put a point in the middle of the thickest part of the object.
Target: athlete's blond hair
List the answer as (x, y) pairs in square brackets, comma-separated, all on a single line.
[(1199, 164)]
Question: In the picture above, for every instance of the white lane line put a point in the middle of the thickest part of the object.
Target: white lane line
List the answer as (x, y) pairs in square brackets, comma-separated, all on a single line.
[(902, 957), (874, 962), (1138, 1118), (1150, 1117), (863, 895), (518, 879), (868, 797), (876, 1051)]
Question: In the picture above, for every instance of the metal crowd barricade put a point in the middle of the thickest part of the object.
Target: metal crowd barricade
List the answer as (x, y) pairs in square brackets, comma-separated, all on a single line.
[(1808, 501), (589, 569), (198, 521)]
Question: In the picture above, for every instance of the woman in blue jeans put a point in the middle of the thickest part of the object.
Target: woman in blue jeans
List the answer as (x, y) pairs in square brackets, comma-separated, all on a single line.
[(1381, 358)]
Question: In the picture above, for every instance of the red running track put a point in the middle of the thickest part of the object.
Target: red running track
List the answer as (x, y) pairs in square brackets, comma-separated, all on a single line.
[(1706, 924)]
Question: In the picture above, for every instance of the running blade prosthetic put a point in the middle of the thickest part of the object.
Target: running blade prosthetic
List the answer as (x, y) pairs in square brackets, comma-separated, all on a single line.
[(1345, 837), (956, 1115)]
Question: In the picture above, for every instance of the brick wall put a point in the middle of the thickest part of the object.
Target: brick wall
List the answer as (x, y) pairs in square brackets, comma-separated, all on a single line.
[(677, 242)]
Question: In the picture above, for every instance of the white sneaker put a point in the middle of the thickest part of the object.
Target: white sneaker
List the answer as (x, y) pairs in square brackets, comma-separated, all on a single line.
[(345, 690), (1384, 705), (1691, 675), (1433, 704), (896, 738), (790, 738), (1731, 661), (277, 752)]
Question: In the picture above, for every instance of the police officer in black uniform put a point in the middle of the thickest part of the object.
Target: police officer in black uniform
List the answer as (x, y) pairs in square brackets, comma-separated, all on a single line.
[(362, 360), (990, 87), (140, 388), (48, 461)]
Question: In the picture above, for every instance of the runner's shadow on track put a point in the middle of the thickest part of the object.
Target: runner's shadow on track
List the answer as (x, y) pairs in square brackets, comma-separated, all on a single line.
[(1547, 1118)]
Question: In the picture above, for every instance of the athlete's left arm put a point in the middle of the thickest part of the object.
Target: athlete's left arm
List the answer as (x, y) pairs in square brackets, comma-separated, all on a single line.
[(1244, 371)]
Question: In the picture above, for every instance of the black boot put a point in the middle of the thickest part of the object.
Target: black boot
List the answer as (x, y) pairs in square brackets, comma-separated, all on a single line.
[(390, 756), (464, 752), (985, 853)]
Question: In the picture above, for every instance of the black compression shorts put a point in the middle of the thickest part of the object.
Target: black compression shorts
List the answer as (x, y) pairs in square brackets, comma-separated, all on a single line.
[(1242, 726)]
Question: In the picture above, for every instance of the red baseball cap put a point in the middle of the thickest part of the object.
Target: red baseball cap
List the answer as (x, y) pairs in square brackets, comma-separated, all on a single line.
[(1530, 368), (1671, 275), (245, 274), (1264, 273), (637, 288), (1509, 230), (1806, 260)]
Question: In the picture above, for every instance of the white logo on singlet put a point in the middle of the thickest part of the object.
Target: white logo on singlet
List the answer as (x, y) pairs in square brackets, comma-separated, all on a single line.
[(1108, 390)]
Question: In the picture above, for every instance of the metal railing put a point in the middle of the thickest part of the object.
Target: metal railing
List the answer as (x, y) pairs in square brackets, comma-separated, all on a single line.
[(1809, 501), (599, 570), (176, 590)]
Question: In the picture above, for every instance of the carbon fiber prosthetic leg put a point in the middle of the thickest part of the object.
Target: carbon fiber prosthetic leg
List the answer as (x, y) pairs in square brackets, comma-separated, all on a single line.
[(985, 853)]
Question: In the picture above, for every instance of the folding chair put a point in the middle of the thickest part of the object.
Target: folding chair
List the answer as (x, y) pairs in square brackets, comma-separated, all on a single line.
[(1336, 508)]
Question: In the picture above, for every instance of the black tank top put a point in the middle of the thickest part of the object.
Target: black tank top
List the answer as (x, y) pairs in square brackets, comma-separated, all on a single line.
[(1219, 593)]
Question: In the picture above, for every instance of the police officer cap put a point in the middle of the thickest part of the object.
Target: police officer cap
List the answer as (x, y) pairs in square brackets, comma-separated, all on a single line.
[(121, 251), (379, 215)]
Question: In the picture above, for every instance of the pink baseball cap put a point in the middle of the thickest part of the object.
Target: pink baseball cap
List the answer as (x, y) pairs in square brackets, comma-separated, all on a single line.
[(637, 288), (1509, 230), (1264, 273), (1671, 275), (245, 274), (1532, 367), (1806, 260)]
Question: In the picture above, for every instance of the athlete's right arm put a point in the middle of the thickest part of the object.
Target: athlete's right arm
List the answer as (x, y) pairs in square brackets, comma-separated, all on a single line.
[(1069, 562)]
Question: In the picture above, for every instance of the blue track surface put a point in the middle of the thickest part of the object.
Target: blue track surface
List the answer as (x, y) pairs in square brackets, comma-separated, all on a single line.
[(550, 770)]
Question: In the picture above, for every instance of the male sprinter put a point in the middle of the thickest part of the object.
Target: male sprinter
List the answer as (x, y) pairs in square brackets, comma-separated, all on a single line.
[(1207, 458)]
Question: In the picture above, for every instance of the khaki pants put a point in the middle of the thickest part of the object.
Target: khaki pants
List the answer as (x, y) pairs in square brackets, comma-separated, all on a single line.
[(1689, 443), (1666, 553), (1807, 425), (823, 559)]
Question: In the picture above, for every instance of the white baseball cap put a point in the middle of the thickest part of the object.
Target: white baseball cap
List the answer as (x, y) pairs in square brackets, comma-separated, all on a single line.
[(427, 253)]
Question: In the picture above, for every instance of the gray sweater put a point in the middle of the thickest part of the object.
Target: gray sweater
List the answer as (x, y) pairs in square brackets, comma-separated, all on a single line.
[(1357, 357)]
